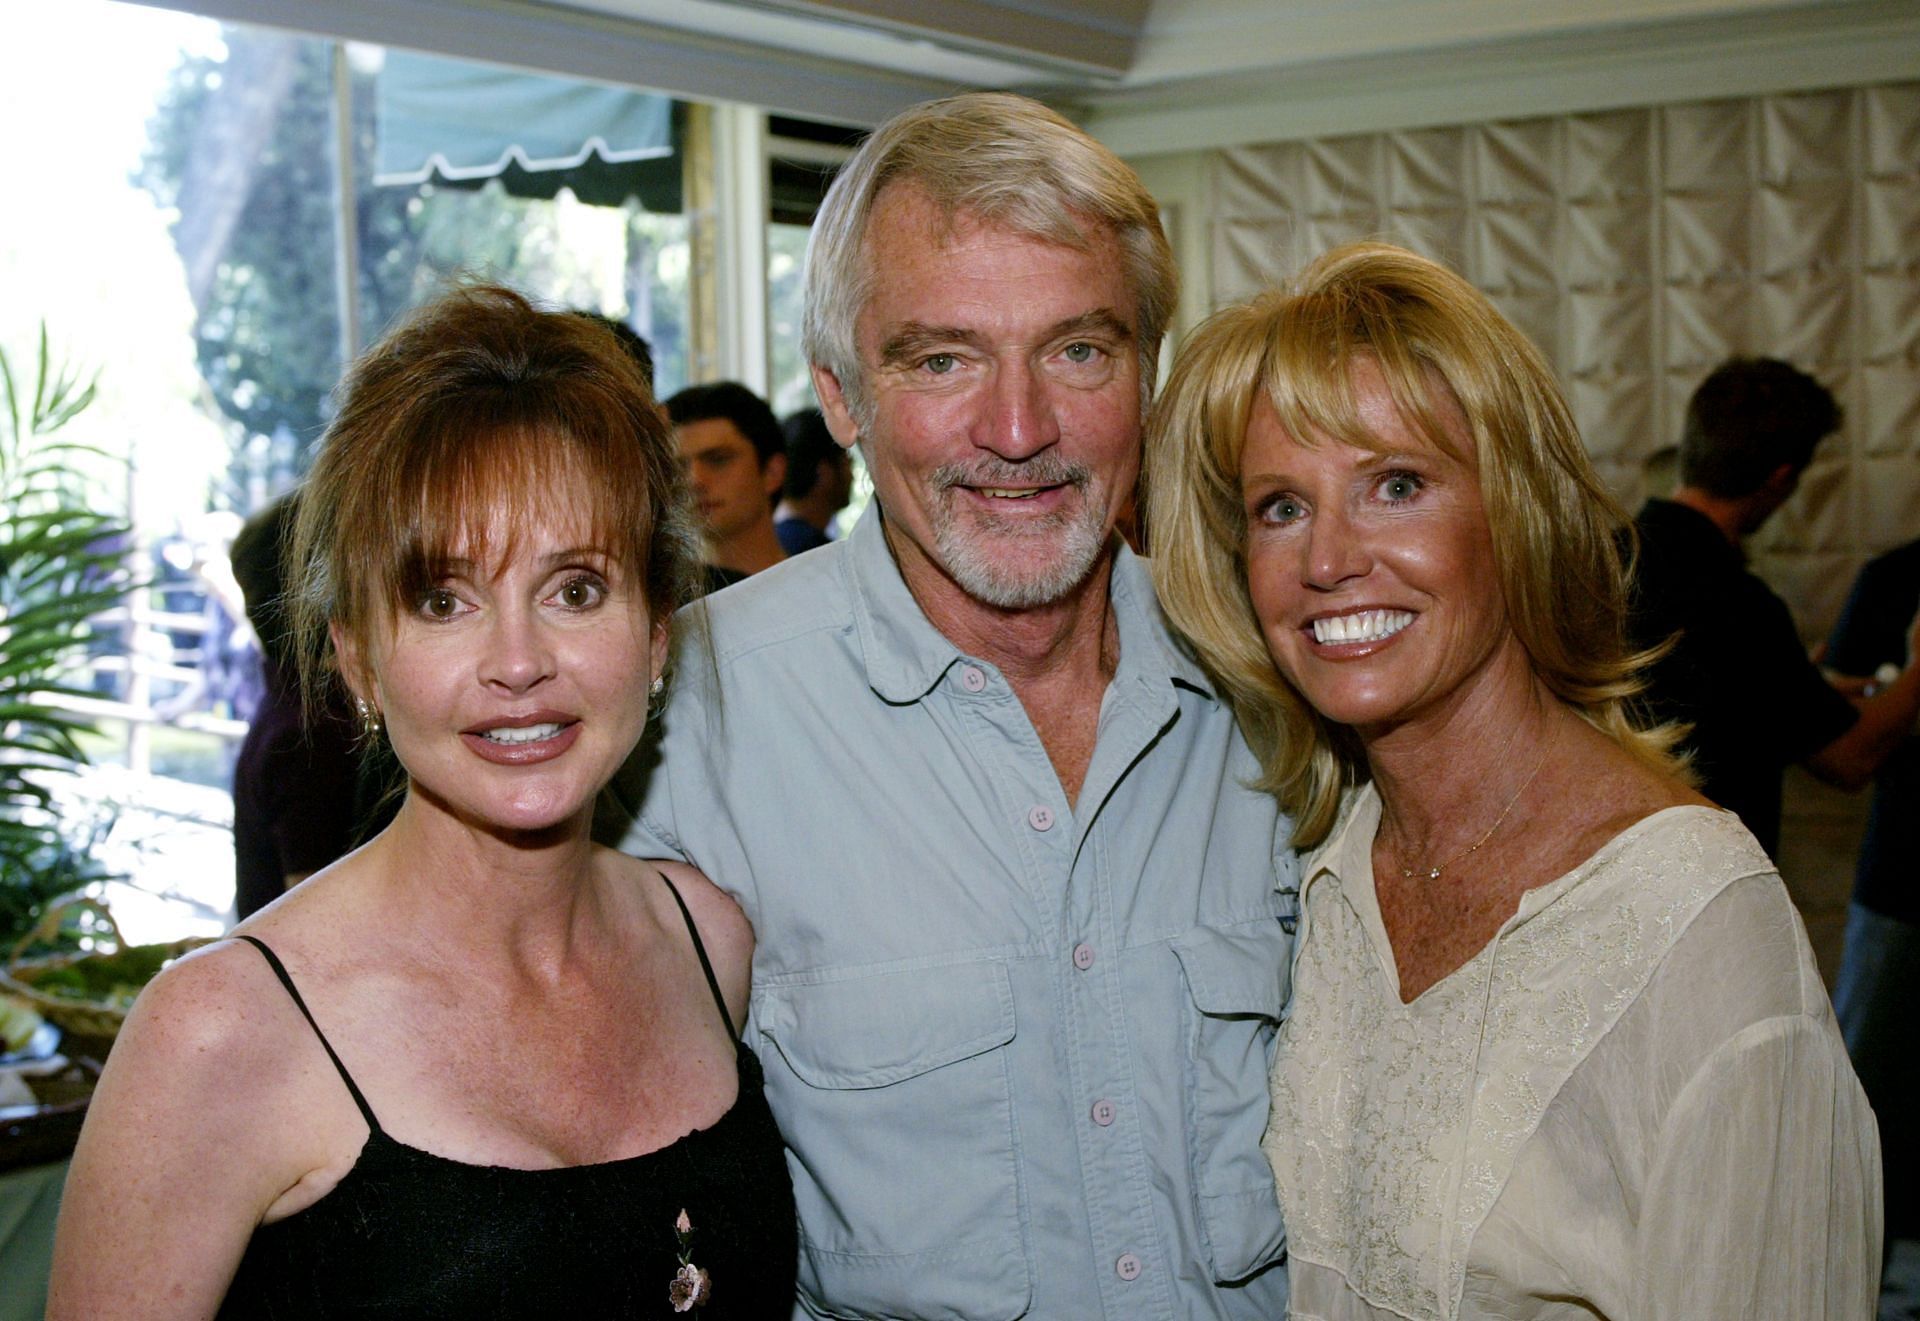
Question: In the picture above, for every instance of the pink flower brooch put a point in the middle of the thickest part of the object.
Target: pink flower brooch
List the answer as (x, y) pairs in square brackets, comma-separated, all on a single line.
[(691, 1286)]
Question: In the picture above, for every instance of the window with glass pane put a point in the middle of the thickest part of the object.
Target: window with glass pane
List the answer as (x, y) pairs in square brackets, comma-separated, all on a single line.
[(803, 159), (182, 238)]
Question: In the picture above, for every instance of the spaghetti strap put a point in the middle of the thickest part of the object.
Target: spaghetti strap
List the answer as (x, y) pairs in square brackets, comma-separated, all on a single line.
[(713, 983), (280, 971)]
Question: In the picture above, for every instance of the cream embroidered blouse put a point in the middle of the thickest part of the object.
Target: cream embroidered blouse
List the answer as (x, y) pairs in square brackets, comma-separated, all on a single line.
[(1633, 1103)]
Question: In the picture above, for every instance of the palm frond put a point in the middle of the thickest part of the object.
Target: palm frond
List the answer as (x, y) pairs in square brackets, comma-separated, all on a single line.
[(57, 570)]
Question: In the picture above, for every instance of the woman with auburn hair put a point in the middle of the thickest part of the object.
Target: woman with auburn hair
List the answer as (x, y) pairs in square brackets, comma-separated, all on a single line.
[(481, 1066), (1557, 1046)]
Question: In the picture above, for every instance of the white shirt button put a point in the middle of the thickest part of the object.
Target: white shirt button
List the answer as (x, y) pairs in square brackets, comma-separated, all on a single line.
[(1128, 1267), (973, 678), (1083, 956), (1040, 817), (1103, 1112)]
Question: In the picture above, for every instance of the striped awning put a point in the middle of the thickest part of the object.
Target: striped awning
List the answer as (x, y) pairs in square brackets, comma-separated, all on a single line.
[(459, 124)]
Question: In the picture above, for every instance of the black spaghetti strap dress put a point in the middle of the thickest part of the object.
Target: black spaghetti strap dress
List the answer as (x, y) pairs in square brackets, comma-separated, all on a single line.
[(406, 1233)]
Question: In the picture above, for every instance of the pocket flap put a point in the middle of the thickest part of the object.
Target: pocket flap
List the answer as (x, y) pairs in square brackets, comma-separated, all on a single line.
[(875, 1030), (1241, 969)]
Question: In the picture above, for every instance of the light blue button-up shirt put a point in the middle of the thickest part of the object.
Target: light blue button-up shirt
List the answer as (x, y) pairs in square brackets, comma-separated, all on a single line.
[(1018, 1046)]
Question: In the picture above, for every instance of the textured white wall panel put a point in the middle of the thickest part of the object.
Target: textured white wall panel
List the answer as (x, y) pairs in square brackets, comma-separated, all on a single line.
[(1607, 156), (1889, 414), (1639, 248), (1514, 164), (1892, 117)]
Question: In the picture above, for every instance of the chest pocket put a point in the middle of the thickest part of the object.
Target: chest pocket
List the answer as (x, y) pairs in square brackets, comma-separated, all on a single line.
[(1237, 978), (893, 1094)]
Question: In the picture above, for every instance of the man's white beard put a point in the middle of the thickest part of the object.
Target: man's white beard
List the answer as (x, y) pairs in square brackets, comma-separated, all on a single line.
[(1063, 548)]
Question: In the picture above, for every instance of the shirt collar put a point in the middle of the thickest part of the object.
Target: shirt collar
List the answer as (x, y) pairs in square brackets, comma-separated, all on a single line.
[(906, 655), (1347, 851), (1346, 856), (1148, 648)]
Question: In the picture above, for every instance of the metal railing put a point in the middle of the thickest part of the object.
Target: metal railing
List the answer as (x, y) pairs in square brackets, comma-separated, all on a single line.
[(146, 632)]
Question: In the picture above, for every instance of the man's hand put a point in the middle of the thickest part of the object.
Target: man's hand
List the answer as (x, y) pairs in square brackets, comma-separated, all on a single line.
[(1889, 707), (1856, 688)]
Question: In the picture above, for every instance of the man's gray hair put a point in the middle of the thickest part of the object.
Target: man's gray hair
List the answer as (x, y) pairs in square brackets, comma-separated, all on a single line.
[(999, 158)]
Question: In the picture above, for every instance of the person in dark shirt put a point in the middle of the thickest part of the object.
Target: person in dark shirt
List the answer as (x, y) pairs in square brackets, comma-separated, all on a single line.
[(819, 482), (1737, 672), (298, 793), (1879, 980)]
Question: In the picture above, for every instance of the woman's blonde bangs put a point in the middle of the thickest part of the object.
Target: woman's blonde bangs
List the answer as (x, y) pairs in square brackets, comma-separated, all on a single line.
[(1456, 370), (1314, 341)]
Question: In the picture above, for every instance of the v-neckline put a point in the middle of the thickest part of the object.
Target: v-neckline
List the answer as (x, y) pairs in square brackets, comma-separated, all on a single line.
[(1359, 888)]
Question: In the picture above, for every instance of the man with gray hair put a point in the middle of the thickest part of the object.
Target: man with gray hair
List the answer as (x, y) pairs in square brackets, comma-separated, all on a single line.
[(1023, 928)]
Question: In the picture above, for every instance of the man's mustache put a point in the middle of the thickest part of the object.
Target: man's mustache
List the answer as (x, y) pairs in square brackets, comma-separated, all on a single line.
[(1041, 470)]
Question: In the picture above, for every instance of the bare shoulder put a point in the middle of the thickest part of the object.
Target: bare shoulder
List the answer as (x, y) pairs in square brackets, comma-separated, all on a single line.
[(1597, 791), (197, 1127), (1644, 793), (1619, 790), (219, 1003), (205, 1050), (724, 930)]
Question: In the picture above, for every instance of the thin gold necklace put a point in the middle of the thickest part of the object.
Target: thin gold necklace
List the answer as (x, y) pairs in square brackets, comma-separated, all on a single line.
[(1433, 873)]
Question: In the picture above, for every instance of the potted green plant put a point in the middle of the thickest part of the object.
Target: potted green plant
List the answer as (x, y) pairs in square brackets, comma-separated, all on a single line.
[(61, 563)]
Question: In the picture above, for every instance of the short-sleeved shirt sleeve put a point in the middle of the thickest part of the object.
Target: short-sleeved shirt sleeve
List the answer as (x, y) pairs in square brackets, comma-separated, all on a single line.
[(1873, 626), (1872, 632), (1737, 672)]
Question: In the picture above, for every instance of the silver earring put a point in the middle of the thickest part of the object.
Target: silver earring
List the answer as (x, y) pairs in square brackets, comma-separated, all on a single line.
[(658, 686), (369, 717)]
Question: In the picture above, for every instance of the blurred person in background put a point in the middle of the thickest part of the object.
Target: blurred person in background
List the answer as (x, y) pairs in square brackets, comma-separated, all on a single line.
[(819, 483), (630, 339), (1736, 673), (228, 679), (735, 458), (1878, 985), (300, 795)]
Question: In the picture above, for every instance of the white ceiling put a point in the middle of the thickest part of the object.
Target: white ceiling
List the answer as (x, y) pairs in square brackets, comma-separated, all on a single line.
[(1137, 43), (1159, 75), (1010, 42), (1156, 75)]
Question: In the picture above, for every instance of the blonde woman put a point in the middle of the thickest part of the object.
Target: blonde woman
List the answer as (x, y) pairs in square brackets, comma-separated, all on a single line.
[(1558, 1047)]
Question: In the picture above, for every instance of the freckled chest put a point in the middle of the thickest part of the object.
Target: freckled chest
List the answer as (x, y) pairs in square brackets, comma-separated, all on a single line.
[(1436, 926)]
